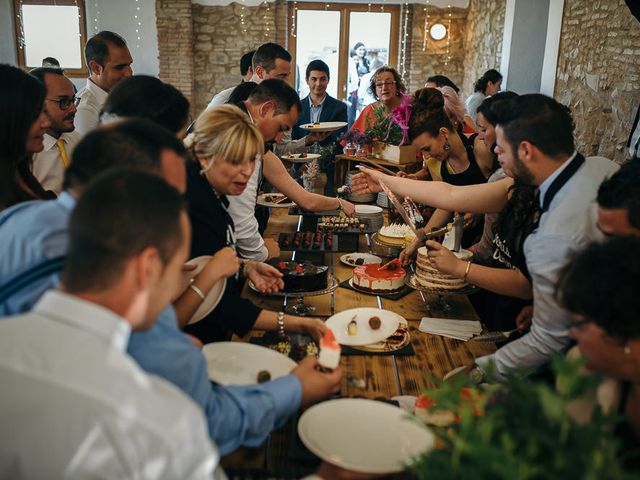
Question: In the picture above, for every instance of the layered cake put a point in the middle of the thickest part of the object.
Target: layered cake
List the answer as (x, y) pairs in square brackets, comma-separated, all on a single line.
[(429, 276), (371, 278), (302, 277), (396, 234)]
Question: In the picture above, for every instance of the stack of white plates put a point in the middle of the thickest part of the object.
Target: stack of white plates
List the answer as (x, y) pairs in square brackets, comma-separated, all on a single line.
[(383, 200), (372, 214), (362, 198)]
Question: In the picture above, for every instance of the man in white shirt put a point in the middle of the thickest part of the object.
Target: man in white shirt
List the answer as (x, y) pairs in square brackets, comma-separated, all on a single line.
[(270, 60), (49, 165), (109, 61), (74, 404)]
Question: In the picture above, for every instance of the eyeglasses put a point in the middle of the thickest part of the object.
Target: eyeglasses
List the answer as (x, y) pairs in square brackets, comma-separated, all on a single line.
[(388, 83), (65, 102)]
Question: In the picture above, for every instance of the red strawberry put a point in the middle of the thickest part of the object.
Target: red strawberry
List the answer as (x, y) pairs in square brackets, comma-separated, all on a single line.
[(375, 323)]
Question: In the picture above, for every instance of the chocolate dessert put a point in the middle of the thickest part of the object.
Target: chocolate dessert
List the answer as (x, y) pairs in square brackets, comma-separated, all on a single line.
[(302, 277)]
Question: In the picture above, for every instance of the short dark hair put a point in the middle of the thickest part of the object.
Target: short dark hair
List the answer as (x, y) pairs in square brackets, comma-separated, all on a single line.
[(50, 61), (135, 143), (241, 92), (442, 81), (488, 106), (97, 47), (622, 190), (396, 77), (245, 62), (428, 114), (42, 72), (491, 75), (601, 283), (538, 119), (319, 66), (277, 91), (120, 214), (149, 97), (267, 54)]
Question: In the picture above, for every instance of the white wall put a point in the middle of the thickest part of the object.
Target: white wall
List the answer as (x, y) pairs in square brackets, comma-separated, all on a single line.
[(114, 15)]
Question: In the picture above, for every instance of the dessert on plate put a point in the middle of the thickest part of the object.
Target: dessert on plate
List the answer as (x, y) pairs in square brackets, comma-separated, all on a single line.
[(376, 279), (396, 234), (302, 277)]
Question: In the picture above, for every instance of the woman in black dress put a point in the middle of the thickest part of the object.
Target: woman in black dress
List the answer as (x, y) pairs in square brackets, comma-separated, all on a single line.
[(225, 147)]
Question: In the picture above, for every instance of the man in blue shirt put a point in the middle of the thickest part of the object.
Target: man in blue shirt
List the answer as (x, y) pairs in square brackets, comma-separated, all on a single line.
[(319, 106), (35, 232)]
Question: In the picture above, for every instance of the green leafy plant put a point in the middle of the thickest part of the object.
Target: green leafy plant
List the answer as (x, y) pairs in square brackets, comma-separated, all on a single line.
[(381, 127), (521, 431)]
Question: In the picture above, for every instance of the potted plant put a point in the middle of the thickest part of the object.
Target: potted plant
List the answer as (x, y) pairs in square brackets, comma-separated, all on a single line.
[(355, 143), (390, 133), (521, 430)]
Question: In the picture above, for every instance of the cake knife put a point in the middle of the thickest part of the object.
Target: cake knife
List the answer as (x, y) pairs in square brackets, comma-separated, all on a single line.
[(401, 210)]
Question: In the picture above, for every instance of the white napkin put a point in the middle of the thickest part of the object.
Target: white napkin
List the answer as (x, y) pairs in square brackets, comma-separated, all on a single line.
[(446, 327)]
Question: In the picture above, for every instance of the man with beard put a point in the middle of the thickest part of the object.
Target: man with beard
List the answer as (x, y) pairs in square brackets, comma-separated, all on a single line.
[(61, 138), (534, 144)]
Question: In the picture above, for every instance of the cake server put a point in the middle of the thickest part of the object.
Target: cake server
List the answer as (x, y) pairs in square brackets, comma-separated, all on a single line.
[(494, 337), (453, 238), (401, 210)]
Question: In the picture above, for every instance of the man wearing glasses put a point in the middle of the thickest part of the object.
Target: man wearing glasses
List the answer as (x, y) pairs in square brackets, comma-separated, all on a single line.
[(60, 139)]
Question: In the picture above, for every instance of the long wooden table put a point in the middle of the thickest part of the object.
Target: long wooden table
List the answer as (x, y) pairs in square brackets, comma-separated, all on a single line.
[(385, 376)]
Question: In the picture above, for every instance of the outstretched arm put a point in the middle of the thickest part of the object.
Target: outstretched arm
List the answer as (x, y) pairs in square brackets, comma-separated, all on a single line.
[(481, 198)]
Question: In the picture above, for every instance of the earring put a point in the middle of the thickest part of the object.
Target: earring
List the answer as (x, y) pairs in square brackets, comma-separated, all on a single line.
[(627, 349), (447, 146)]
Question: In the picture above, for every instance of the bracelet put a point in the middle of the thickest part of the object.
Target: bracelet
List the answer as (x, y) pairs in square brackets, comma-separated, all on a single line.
[(466, 272), (340, 206), (281, 324), (197, 291)]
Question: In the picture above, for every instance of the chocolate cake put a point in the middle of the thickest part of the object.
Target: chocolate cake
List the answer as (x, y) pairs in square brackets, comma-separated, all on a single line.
[(302, 277)]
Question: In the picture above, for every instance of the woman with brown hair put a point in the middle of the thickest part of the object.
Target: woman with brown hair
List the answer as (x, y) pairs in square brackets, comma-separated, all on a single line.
[(388, 89), (22, 127)]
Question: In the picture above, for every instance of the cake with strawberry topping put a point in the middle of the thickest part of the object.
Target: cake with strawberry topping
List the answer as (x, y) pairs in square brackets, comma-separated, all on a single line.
[(302, 277), (375, 278), (329, 356)]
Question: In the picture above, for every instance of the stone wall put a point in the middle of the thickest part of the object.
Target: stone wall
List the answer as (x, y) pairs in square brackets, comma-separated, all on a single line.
[(175, 44), (433, 60), (484, 29), (220, 41), (598, 73)]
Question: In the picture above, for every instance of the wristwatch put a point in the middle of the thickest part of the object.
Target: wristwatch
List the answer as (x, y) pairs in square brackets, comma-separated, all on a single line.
[(476, 374)]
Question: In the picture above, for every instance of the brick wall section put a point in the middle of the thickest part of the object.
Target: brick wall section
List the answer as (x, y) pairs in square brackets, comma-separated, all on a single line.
[(598, 73), (482, 40), (175, 44), (432, 61)]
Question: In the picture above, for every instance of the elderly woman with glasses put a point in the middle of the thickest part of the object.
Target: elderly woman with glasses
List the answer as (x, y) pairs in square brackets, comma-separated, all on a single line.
[(387, 88)]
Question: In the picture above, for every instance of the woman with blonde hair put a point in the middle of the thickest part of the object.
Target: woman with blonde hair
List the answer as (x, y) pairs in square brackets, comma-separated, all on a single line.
[(225, 147)]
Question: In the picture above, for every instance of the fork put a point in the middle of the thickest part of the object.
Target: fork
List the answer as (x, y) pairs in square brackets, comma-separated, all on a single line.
[(494, 337)]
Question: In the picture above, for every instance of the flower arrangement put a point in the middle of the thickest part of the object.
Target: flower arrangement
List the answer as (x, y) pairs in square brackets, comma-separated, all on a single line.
[(390, 128), (310, 174)]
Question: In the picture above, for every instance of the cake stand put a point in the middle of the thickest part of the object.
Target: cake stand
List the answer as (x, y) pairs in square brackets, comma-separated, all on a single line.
[(392, 250), (299, 308), (440, 306)]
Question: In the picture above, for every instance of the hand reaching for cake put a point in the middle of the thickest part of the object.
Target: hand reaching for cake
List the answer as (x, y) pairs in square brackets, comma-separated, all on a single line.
[(408, 255), (444, 260), (366, 181), (316, 385), (266, 278)]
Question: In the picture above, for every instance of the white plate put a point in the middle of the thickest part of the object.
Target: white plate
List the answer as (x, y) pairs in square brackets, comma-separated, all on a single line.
[(324, 126), (262, 201), (363, 435), (212, 298), (296, 158), (367, 257), (365, 335), (238, 363), (368, 210)]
